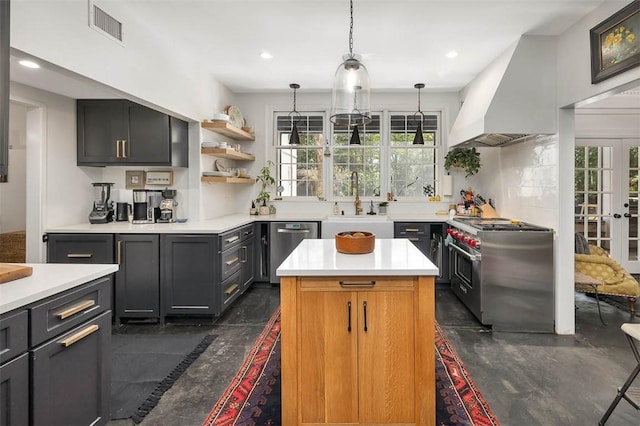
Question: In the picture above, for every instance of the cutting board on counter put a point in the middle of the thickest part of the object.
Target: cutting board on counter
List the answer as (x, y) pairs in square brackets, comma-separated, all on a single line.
[(13, 272)]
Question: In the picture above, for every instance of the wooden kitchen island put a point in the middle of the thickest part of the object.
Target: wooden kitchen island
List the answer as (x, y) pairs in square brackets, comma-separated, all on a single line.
[(357, 335)]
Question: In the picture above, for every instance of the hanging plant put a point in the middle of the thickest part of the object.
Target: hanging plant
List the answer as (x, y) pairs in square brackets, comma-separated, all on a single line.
[(467, 159)]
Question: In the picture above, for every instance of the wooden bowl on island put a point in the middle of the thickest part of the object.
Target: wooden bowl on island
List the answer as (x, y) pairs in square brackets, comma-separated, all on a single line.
[(355, 242)]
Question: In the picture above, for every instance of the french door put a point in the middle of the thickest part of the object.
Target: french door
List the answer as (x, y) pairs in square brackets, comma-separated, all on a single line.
[(606, 197)]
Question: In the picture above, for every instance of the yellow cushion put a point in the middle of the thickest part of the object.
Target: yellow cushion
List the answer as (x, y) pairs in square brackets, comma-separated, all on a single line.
[(615, 280)]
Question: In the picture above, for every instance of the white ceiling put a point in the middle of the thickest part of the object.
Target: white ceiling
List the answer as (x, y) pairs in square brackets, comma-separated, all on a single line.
[(402, 42)]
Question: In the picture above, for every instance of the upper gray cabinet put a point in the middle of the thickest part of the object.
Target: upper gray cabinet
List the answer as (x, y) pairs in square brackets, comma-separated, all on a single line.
[(120, 132)]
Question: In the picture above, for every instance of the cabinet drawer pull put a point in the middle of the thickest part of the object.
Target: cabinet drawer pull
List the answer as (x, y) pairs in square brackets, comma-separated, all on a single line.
[(413, 239), (231, 289), (124, 148), (75, 309), (364, 307), (349, 317), (232, 261), (232, 239), (412, 230), (358, 283), (117, 148), (79, 255), (119, 255), (79, 335), (246, 254), (248, 233)]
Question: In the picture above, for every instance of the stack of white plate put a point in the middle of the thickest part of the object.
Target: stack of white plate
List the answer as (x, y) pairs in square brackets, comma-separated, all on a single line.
[(217, 173), (220, 117), (209, 144)]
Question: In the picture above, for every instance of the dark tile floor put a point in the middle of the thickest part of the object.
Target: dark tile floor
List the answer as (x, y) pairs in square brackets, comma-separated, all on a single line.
[(527, 379)]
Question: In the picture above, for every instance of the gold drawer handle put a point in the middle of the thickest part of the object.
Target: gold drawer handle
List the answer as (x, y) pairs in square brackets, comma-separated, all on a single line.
[(231, 289), (75, 309), (412, 230), (232, 239), (79, 335), (79, 255), (232, 261), (413, 239)]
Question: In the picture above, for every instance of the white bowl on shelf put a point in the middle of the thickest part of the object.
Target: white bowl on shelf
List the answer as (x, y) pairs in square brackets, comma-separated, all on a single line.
[(220, 117)]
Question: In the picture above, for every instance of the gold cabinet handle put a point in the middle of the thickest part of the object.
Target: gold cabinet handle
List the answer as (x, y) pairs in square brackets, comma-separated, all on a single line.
[(117, 148), (246, 254), (232, 239), (231, 289), (79, 335), (79, 255), (124, 148), (119, 255), (75, 309), (232, 261), (412, 230)]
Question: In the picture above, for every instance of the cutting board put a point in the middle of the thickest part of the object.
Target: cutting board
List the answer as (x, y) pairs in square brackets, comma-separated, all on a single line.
[(10, 272)]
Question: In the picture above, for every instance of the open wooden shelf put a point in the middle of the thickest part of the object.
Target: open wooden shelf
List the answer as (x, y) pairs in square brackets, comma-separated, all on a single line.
[(224, 128), (229, 153), (223, 179)]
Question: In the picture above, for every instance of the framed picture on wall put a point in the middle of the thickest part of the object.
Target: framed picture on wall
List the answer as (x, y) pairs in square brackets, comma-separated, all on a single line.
[(615, 43)]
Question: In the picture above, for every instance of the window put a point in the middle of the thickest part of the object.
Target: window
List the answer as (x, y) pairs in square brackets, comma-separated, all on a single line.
[(386, 161), (413, 167), (299, 168), (363, 159)]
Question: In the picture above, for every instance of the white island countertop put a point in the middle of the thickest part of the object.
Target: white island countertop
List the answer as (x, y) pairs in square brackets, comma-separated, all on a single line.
[(48, 279), (389, 257)]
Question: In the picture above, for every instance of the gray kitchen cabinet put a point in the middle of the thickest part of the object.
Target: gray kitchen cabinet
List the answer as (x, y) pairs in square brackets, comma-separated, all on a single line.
[(121, 132), (14, 368), (189, 274), (428, 238), (80, 248), (137, 283)]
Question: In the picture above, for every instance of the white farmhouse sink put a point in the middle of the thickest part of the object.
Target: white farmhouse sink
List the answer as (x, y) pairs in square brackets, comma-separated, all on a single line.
[(378, 224)]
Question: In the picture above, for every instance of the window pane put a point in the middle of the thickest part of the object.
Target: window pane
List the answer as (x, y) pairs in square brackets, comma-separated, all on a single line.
[(299, 167)]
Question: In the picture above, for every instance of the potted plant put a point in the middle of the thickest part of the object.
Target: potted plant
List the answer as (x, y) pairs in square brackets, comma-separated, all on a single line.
[(382, 207), (265, 178), (464, 158)]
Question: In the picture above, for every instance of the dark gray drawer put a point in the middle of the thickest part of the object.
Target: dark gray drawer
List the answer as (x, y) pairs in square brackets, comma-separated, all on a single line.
[(247, 232), (14, 334), (80, 248), (60, 314), (230, 262), (230, 290), (230, 238), (404, 229)]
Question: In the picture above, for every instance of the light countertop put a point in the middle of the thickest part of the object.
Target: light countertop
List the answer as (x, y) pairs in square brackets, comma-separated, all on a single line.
[(223, 224), (47, 280), (389, 257)]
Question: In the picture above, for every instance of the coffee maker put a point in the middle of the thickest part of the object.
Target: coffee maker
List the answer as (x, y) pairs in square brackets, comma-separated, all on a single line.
[(168, 206), (102, 207), (140, 206)]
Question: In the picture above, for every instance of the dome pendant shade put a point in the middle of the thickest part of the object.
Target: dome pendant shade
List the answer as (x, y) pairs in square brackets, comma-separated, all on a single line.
[(295, 136), (355, 136), (351, 93), (418, 139)]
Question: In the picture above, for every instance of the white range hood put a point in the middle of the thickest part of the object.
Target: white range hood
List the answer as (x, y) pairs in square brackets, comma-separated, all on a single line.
[(512, 100)]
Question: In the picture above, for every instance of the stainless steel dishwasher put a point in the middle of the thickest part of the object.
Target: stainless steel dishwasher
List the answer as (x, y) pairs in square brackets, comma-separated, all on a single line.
[(283, 238)]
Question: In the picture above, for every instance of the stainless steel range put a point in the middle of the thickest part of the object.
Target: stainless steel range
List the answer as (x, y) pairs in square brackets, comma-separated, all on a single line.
[(502, 270)]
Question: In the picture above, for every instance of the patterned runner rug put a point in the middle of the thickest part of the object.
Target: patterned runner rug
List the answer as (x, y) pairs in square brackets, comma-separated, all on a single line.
[(253, 396)]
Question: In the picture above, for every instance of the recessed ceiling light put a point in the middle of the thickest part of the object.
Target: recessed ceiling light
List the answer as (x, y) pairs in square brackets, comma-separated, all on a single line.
[(28, 64), (266, 55), (452, 54)]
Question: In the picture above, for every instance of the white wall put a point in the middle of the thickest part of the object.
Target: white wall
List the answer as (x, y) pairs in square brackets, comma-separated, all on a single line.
[(12, 194)]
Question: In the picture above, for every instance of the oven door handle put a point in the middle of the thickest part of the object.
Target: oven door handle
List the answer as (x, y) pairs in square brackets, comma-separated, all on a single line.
[(471, 257)]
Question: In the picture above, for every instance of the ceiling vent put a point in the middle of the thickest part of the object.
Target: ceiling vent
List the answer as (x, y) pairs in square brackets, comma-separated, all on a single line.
[(104, 23)]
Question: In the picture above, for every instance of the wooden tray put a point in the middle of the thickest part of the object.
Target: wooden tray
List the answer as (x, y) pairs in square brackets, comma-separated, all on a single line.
[(10, 272)]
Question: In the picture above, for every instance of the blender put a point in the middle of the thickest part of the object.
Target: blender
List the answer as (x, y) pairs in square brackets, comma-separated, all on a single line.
[(140, 206), (102, 208)]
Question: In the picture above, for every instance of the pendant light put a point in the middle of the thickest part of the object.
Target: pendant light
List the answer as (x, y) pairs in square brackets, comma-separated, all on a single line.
[(351, 87), (418, 139), (294, 115), (355, 136)]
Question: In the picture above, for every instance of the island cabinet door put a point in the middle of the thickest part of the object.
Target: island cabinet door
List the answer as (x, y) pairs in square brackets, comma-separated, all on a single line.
[(386, 357), (328, 365)]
